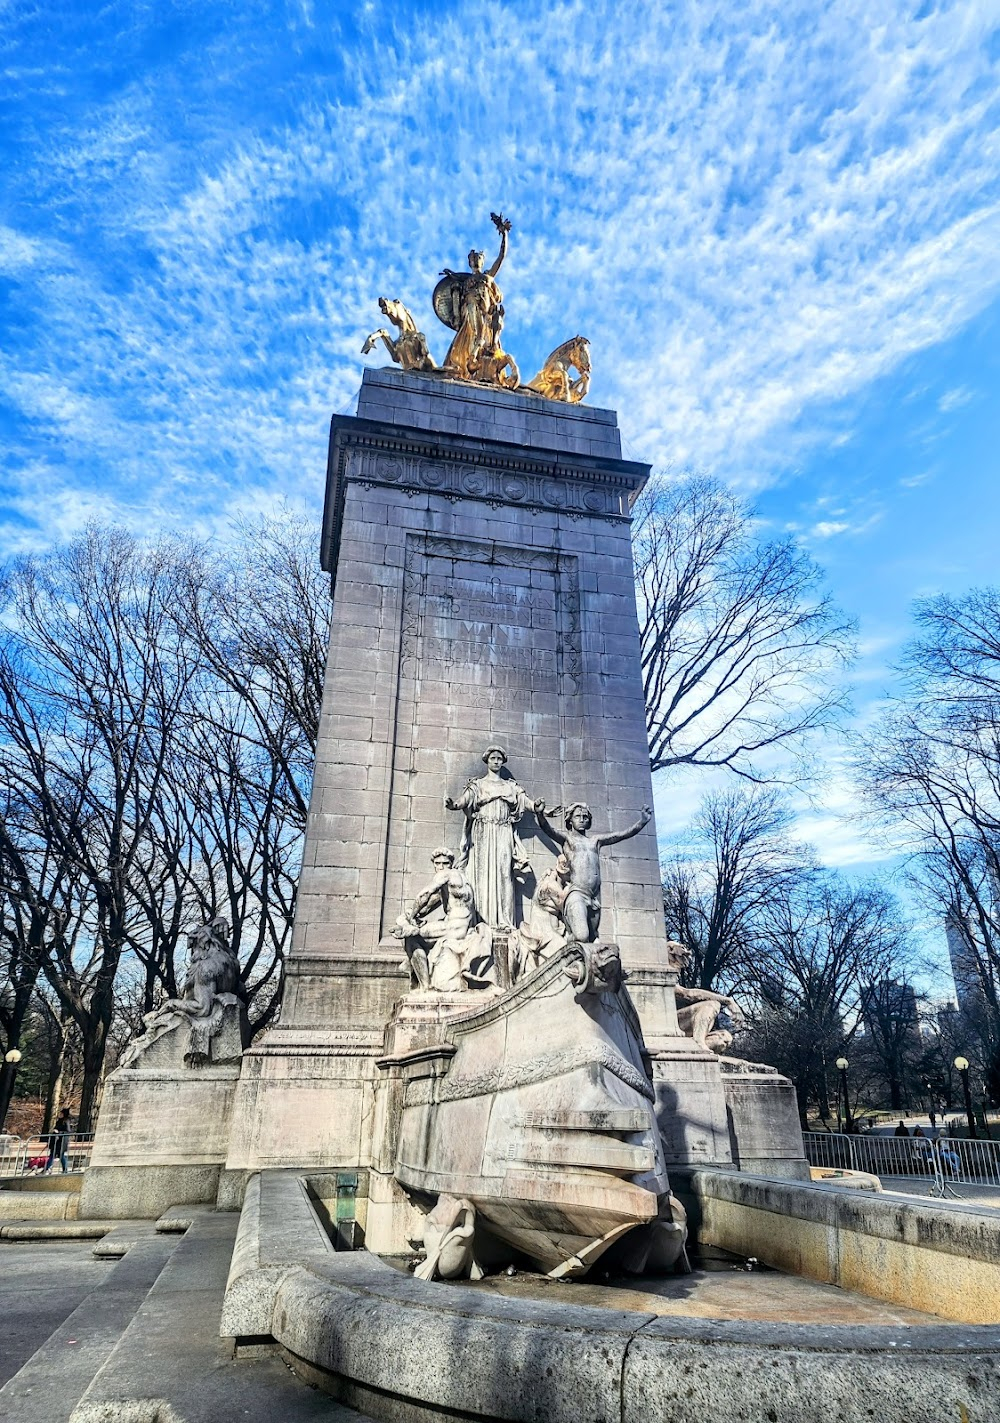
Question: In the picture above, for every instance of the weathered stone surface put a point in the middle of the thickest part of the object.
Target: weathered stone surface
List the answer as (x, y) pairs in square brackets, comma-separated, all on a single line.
[(394, 1346), (515, 1106), (482, 594), (39, 1288), (162, 1137), (39, 1205), (134, 1192), (278, 1231), (428, 403), (174, 1116), (690, 1106), (764, 1124), (941, 1258), (56, 1181), (56, 1230), (677, 1370)]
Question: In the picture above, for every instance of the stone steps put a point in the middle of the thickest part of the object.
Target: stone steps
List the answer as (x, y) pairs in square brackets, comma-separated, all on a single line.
[(170, 1364), (143, 1345), (55, 1378), (119, 1241)]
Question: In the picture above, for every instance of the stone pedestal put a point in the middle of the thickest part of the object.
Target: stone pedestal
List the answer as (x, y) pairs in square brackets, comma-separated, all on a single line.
[(163, 1130), (763, 1116)]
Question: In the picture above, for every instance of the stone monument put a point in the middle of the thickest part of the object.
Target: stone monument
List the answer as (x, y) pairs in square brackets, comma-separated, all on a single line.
[(483, 664), (163, 1129), (479, 1000)]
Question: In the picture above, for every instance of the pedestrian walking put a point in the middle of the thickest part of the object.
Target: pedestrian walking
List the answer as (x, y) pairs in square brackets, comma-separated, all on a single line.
[(60, 1142)]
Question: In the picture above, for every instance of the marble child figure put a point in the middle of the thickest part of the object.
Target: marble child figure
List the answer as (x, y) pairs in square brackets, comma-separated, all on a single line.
[(581, 910), (543, 933), (492, 853)]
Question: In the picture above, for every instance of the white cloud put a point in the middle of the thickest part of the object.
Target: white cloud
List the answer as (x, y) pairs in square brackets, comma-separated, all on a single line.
[(955, 399), (750, 213)]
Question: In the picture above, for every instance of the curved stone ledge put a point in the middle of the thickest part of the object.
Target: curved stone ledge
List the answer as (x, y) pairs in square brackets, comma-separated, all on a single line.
[(403, 1349), (408, 1351), (919, 1253)]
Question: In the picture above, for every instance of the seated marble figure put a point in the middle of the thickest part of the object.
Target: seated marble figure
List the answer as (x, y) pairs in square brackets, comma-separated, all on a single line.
[(703, 1014), (207, 1024), (448, 947)]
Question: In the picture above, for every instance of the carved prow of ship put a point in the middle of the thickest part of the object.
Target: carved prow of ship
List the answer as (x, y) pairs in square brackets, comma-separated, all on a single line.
[(537, 1107)]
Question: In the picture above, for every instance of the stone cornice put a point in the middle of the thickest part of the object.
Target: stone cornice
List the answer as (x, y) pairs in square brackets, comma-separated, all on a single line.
[(370, 453)]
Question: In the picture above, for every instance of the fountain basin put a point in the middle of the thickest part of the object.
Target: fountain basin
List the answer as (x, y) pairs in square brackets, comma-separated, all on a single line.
[(405, 1350)]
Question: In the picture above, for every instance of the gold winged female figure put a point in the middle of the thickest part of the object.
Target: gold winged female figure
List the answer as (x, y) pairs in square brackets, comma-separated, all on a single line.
[(471, 303)]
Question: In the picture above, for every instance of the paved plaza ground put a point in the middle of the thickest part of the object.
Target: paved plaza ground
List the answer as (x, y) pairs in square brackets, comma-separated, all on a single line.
[(40, 1284), (968, 1193), (67, 1317)]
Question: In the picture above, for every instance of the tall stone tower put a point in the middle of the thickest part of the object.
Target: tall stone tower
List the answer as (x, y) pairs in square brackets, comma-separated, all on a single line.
[(478, 543)]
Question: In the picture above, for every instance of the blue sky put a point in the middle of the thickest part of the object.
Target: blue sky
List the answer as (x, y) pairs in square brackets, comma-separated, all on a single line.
[(778, 223)]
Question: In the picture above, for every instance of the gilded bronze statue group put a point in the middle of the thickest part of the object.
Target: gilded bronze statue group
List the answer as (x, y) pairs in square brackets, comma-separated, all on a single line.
[(462, 930), (471, 304)]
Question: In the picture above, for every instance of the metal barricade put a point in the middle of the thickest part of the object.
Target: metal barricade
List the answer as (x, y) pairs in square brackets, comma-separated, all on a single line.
[(12, 1155), (938, 1159), (23, 1156)]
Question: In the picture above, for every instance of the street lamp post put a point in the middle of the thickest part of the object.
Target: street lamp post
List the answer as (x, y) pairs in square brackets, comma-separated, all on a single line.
[(843, 1065), (10, 1060), (962, 1063), (930, 1101)]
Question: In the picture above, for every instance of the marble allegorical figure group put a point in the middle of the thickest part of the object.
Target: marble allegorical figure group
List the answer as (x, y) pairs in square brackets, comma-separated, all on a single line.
[(460, 931), (211, 994)]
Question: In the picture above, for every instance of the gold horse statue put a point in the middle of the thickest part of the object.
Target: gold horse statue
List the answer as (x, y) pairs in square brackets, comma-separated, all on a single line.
[(553, 380), (409, 348)]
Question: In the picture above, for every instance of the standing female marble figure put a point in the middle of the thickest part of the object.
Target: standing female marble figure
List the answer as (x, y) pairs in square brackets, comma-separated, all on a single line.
[(491, 852)]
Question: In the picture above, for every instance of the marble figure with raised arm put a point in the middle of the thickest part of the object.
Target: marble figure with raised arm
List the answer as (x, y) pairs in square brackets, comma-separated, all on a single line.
[(581, 910)]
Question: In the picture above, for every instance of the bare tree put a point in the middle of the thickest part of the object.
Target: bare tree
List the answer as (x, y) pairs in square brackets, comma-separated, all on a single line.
[(738, 640), (824, 944), (931, 771), (260, 619), (226, 835), (158, 716), (716, 895), (38, 894), (88, 708), (889, 1012)]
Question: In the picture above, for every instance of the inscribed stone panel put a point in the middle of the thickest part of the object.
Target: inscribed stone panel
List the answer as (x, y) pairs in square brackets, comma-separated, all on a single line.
[(488, 630)]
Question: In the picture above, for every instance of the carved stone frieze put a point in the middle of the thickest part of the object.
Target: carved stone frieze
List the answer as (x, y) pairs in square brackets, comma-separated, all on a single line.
[(532, 488)]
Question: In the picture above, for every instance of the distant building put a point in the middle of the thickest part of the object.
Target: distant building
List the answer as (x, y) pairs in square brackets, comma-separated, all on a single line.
[(890, 1000), (964, 960)]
